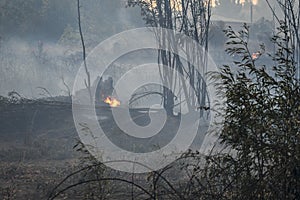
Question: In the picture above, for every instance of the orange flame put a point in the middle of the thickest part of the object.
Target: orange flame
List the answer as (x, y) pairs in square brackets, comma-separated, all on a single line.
[(256, 55), (113, 102)]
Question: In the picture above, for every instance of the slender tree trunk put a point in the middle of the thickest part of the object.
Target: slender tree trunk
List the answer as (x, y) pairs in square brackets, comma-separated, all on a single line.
[(87, 81)]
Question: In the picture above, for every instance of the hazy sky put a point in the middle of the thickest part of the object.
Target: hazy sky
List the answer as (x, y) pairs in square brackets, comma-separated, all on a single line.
[(228, 9), (23, 68)]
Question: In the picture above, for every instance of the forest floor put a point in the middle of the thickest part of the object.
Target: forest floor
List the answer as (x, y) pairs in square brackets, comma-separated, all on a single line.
[(36, 149), (32, 179), (37, 152)]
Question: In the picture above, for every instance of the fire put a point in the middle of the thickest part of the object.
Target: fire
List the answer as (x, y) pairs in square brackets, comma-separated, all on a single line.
[(113, 102), (256, 55), (255, 2)]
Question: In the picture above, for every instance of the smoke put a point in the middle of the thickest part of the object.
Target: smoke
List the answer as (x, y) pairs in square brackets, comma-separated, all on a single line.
[(33, 59), (27, 66), (240, 9)]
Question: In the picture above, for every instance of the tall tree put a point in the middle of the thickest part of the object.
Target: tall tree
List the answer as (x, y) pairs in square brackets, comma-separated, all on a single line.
[(87, 81), (190, 17)]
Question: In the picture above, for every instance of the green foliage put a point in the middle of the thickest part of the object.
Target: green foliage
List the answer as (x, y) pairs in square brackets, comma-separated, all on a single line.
[(262, 124)]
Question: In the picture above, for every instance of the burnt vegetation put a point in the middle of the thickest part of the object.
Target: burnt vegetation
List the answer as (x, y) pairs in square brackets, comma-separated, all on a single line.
[(256, 155)]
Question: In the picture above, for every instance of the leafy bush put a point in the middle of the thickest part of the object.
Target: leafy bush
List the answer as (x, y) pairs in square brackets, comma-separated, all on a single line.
[(262, 125)]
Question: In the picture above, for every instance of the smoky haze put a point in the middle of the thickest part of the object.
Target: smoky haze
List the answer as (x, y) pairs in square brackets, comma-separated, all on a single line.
[(229, 9), (40, 45)]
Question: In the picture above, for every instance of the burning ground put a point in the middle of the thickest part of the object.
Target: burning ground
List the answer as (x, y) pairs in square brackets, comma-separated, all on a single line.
[(37, 141)]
